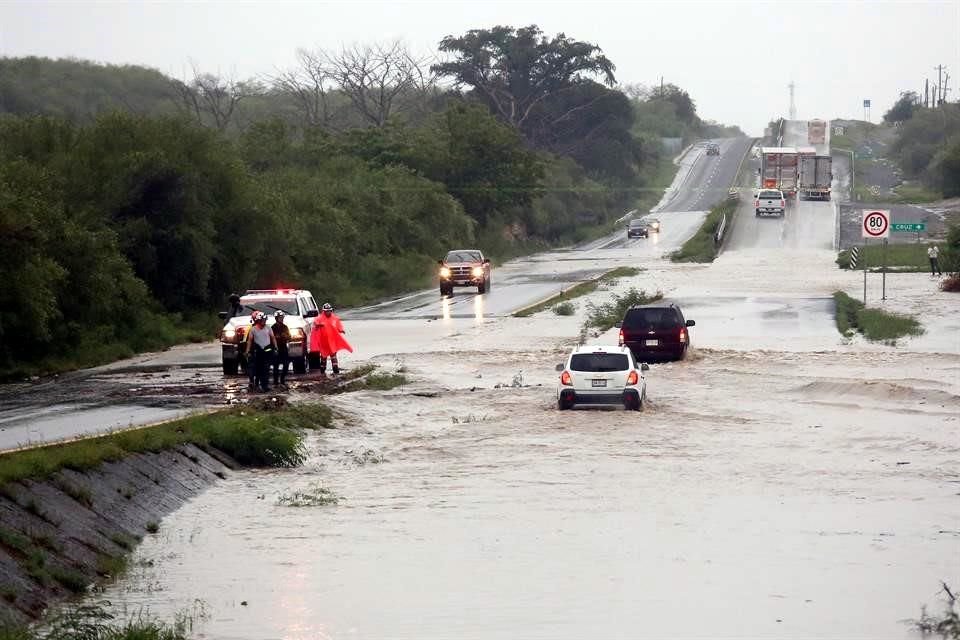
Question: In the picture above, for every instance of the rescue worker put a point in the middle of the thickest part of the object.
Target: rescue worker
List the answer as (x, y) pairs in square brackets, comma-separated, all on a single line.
[(251, 370), (327, 338), (281, 333), (262, 343)]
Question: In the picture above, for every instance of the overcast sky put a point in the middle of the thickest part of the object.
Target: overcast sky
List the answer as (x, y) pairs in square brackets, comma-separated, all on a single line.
[(735, 59)]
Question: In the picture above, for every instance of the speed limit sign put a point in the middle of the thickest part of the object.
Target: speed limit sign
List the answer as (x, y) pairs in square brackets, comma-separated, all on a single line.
[(876, 223)]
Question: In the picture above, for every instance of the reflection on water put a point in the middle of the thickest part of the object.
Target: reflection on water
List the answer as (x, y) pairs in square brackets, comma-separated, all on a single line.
[(445, 307), (478, 309)]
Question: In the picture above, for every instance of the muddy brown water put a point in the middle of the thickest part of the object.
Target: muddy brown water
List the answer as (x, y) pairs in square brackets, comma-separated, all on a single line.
[(748, 500)]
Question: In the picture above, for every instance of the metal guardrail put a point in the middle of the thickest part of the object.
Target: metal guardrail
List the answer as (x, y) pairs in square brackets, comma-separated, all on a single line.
[(721, 228)]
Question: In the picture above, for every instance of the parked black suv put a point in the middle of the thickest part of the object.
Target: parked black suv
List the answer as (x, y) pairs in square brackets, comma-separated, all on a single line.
[(656, 332)]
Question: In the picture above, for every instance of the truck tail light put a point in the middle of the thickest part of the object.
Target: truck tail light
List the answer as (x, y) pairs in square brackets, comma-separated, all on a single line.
[(783, 202), (565, 379), (633, 378)]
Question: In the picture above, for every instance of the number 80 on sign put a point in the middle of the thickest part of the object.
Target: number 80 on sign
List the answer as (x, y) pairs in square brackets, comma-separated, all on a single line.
[(876, 223)]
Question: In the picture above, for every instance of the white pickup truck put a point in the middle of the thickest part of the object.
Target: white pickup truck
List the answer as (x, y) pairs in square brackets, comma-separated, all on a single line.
[(770, 202)]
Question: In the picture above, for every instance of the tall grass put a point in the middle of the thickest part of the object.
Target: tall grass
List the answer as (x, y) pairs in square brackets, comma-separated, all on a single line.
[(251, 436), (701, 246), (905, 257), (875, 324)]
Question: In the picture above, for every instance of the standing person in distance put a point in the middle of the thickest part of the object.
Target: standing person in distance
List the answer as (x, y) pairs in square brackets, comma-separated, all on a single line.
[(933, 252), (281, 333), (262, 343), (327, 338)]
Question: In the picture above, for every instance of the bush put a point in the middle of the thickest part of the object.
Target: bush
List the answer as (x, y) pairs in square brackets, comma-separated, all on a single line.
[(875, 324), (606, 315), (702, 247), (565, 309)]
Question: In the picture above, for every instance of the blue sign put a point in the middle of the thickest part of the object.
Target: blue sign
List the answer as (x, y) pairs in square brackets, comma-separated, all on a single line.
[(866, 104)]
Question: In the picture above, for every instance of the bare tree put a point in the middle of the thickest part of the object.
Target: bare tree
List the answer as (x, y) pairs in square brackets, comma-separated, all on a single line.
[(209, 97), (381, 80), (310, 84)]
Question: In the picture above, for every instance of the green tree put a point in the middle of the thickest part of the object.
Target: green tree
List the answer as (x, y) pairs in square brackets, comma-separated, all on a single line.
[(902, 110), (513, 71)]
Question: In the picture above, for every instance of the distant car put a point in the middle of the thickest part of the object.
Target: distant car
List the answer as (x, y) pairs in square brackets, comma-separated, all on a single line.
[(770, 202), (653, 223), (656, 331), (464, 268), (638, 229), (713, 149), (601, 376)]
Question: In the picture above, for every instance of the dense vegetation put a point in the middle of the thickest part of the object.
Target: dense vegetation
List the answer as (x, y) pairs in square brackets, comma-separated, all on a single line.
[(927, 144), (132, 203)]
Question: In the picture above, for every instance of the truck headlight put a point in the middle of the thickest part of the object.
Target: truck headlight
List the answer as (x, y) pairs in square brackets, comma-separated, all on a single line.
[(477, 272), (444, 272), (228, 334), (296, 334)]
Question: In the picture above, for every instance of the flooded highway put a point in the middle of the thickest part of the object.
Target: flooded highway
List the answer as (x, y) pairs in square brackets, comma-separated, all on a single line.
[(751, 490)]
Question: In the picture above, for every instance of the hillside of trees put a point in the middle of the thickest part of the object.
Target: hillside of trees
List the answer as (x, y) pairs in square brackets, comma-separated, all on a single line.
[(131, 203), (927, 144)]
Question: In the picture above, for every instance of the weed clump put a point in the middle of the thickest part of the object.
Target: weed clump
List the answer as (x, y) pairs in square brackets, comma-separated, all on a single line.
[(605, 316), (565, 309), (875, 324), (315, 495)]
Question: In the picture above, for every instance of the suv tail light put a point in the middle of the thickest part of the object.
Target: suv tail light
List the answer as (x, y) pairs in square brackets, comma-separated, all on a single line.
[(621, 338), (683, 335), (633, 378), (565, 379)]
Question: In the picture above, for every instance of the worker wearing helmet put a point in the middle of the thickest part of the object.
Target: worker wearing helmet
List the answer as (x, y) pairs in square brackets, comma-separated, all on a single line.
[(263, 345), (327, 338), (281, 333)]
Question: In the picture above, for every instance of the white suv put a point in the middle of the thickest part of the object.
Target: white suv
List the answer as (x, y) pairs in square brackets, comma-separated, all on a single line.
[(601, 375)]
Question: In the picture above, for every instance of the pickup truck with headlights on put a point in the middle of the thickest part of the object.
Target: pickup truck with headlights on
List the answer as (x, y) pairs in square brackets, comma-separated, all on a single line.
[(464, 268)]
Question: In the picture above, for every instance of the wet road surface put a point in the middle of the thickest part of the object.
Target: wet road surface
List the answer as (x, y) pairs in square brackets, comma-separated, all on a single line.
[(778, 495)]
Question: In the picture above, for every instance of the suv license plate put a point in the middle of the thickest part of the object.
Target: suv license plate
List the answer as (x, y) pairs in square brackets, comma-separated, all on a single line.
[(599, 383), (652, 343)]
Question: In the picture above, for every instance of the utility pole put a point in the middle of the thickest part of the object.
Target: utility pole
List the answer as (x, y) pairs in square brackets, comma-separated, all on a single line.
[(926, 93), (946, 88), (661, 86), (793, 106), (939, 69)]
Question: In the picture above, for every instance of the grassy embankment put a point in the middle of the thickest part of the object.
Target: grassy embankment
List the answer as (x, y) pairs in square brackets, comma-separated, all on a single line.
[(561, 302), (262, 435), (163, 331), (900, 257), (875, 324), (254, 437), (701, 246)]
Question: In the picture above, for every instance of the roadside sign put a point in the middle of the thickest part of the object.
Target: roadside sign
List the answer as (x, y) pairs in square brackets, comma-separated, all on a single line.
[(914, 227), (876, 223), (866, 104)]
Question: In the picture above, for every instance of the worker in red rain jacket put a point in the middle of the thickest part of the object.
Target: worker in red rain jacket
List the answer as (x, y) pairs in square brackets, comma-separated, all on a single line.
[(327, 338)]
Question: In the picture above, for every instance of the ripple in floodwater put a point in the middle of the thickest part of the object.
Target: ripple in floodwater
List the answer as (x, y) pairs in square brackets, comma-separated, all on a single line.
[(725, 510)]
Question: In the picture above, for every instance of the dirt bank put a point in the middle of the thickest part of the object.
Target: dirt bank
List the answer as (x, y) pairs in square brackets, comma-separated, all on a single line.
[(63, 533)]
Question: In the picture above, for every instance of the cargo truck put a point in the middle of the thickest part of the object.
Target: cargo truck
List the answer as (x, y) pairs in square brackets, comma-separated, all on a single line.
[(815, 177), (778, 169), (816, 131)]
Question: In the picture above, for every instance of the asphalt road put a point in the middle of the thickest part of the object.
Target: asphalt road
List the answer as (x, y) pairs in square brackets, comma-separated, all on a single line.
[(807, 224), (710, 177)]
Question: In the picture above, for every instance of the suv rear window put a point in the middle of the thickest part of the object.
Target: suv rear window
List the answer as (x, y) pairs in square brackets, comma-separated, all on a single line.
[(770, 195), (652, 318), (598, 362)]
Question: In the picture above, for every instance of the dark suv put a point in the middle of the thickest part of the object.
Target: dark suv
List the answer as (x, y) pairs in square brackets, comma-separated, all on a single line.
[(638, 229), (656, 332)]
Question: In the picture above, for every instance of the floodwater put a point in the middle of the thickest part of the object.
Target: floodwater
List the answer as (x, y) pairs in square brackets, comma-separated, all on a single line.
[(758, 495)]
